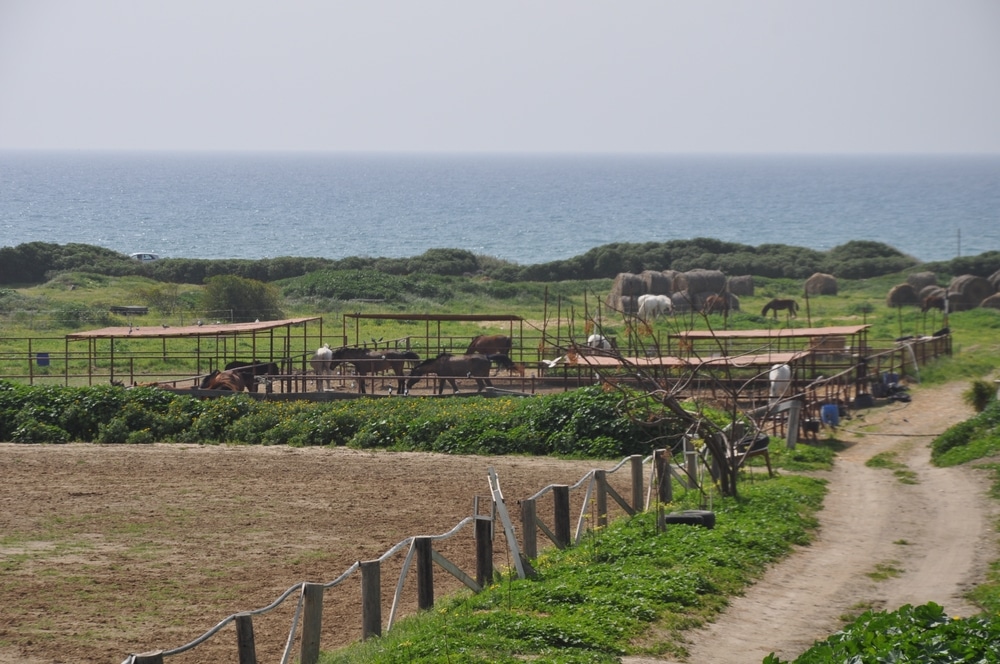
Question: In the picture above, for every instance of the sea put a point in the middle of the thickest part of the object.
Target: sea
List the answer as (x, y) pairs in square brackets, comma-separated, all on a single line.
[(523, 208)]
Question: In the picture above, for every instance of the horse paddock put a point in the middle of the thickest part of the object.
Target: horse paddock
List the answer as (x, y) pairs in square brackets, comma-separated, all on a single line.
[(112, 550)]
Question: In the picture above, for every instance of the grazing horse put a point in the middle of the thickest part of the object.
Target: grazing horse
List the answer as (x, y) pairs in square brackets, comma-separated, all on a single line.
[(223, 380), (490, 344), (651, 306), (715, 304), (250, 370), (367, 362), (775, 305), (448, 367), (322, 365), (935, 301)]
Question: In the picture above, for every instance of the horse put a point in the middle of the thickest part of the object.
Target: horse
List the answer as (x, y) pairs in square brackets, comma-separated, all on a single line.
[(250, 370), (223, 380), (448, 367), (504, 362), (490, 344), (935, 301), (368, 361), (715, 304), (780, 378), (651, 306), (322, 364), (599, 342), (775, 305)]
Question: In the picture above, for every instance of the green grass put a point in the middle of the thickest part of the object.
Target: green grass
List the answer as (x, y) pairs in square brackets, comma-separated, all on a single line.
[(888, 460), (596, 601)]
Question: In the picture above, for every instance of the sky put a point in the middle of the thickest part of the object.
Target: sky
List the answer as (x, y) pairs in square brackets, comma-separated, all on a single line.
[(556, 76)]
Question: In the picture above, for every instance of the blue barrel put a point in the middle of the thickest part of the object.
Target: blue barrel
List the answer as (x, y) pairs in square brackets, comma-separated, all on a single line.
[(830, 414), (890, 378)]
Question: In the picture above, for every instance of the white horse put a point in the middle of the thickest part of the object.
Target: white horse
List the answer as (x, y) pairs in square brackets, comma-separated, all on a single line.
[(651, 306), (781, 381), (598, 342), (322, 364)]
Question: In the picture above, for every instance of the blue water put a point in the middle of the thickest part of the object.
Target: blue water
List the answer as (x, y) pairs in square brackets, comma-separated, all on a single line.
[(523, 208)]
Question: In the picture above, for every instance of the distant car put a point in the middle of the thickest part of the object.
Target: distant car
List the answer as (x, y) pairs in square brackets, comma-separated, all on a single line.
[(144, 256)]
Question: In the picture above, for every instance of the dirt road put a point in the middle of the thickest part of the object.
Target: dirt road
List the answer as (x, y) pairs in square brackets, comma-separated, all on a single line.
[(933, 540)]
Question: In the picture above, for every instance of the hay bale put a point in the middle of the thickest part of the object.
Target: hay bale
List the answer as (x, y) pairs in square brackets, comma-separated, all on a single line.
[(678, 279), (683, 302), (972, 290), (742, 285), (657, 283), (625, 284), (928, 291), (992, 302), (919, 280), (821, 284), (705, 281), (902, 295), (628, 305), (994, 279)]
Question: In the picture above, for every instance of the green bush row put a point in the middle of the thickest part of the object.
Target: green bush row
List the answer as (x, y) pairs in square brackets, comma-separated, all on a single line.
[(975, 438), (583, 423), (36, 262)]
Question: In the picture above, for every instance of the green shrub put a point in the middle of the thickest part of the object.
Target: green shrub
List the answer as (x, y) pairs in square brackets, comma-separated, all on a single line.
[(979, 395)]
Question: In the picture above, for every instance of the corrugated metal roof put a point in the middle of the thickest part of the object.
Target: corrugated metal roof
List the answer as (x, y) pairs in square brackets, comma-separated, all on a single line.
[(205, 330)]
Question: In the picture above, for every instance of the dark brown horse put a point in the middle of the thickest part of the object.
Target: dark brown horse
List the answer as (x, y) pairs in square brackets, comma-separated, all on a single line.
[(490, 344), (935, 301), (448, 367), (776, 305), (715, 304), (504, 362), (370, 362), (250, 370), (223, 380)]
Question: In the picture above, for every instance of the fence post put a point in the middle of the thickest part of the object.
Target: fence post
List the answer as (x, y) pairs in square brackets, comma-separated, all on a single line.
[(529, 532), (245, 647), (792, 435), (601, 477), (664, 485), (371, 599), (312, 621), (425, 573), (484, 551), (691, 461), (560, 497), (637, 488)]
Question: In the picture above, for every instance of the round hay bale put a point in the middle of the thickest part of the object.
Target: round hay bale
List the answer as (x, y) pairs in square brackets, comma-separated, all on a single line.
[(994, 279), (821, 284), (705, 281), (628, 304), (625, 284), (677, 279), (921, 279), (682, 301), (928, 291), (961, 302), (973, 289), (992, 302), (657, 283), (742, 285), (902, 295)]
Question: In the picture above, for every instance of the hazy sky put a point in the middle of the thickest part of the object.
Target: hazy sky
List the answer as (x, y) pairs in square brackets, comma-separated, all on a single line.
[(790, 76)]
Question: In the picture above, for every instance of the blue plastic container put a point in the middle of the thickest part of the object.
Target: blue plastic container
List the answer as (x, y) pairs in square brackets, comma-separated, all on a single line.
[(890, 378), (830, 414)]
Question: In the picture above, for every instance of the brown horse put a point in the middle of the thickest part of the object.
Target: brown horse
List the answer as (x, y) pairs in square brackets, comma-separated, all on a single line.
[(490, 344), (715, 304), (504, 362), (776, 305), (935, 301), (448, 367), (223, 380), (372, 362), (250, 370)]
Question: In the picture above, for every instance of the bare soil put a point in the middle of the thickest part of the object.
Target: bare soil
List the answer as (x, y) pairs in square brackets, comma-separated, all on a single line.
[(110, 550)]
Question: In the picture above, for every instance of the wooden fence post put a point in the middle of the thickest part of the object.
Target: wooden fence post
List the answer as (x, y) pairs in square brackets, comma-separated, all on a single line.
[(638, 495), (529, 531), (312, 621), (601, 477), (664, 484), (425, 573), (371, 599), (245, 647), (484, 551), (560, 497)]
